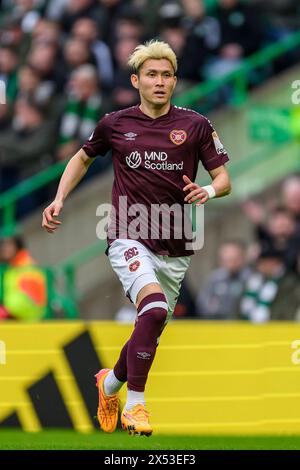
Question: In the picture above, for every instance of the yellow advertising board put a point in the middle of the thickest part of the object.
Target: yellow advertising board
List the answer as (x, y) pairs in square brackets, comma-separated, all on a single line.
[(207, 378)]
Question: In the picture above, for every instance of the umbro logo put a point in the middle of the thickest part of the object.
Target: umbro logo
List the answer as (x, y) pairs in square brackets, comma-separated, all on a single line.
[(143, 355), (130, 136)]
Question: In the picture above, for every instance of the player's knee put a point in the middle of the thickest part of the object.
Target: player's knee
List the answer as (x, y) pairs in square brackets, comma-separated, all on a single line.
[(158, 315), (151, 288), (155, 307)]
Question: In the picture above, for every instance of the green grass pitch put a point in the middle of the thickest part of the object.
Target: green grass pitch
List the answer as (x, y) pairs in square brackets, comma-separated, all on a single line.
[(71, 440)]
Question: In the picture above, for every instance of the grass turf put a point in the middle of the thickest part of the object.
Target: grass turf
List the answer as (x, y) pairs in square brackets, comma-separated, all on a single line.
[(71, 440)]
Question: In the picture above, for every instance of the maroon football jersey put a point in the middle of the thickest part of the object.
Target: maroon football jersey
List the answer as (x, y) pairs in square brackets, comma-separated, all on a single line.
[(150, 156)]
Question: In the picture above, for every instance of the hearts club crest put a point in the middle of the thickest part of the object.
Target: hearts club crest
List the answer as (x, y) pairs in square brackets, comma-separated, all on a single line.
[(178, 136), (134, 266)]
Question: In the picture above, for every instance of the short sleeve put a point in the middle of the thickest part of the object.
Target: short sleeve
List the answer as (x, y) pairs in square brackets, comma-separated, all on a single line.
[(99, 141), (211, 151)]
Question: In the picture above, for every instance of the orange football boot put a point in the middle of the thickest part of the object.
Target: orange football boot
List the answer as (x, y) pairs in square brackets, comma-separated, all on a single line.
[(136, 421), (108, 407)]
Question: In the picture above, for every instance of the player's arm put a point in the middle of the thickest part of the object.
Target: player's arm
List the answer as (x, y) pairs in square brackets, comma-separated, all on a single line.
[(72, 175), (220, 181), (220, 187)]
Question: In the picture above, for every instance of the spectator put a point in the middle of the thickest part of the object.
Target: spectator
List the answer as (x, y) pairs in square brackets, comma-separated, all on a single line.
[(84, 107), (271, 292), (27, 12), (279, 227), (41, 92), (11, 35), (5, 116), (187, 50), (110, 11), (291, 198), (76, 53), (30, 86), (14, 253), (202, 26), (148, 13), (170, 13), (240, 36), (44, 59), (129, 26), (185, 307), (26, 147), (241, 30), (124, 95), (75, 9), (46, 32), (24, 293), (280, 233), (8, 71), (219, 297), (8, 75), (86, 29)]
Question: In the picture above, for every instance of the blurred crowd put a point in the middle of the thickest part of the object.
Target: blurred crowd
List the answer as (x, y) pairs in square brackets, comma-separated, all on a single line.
[(64, 63), (261, 281)]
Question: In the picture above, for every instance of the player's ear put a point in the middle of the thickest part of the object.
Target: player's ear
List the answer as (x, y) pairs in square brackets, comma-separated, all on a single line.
[(175, 82), (134, 81)]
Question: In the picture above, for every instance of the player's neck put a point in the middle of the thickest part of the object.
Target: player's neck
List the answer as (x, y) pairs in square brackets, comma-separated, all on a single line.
[(154, 112)]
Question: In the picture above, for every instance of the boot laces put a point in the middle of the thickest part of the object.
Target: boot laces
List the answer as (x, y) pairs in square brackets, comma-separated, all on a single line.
[(112, 405)]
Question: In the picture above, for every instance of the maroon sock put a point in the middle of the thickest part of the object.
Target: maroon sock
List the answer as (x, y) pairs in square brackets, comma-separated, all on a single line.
[(153, 326), (120, 369), (152, 314)]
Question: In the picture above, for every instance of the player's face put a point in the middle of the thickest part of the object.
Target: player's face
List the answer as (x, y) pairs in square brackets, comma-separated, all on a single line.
[(156, 81)]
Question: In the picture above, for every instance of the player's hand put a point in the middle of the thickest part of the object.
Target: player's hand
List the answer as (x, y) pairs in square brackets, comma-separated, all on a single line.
[(49, 222), (196, 193)]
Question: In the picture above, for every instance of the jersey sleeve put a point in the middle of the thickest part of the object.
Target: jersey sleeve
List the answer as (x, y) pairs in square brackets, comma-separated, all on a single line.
[(99, 141), (211, 151)]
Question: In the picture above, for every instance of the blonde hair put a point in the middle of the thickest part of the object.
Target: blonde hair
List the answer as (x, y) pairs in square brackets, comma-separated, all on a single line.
[(152, 50)]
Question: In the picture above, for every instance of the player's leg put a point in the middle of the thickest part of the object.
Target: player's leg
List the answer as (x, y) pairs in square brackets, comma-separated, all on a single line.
[(151, 316), (137, 355), (170, 273), (134, 267), (120, 369)]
